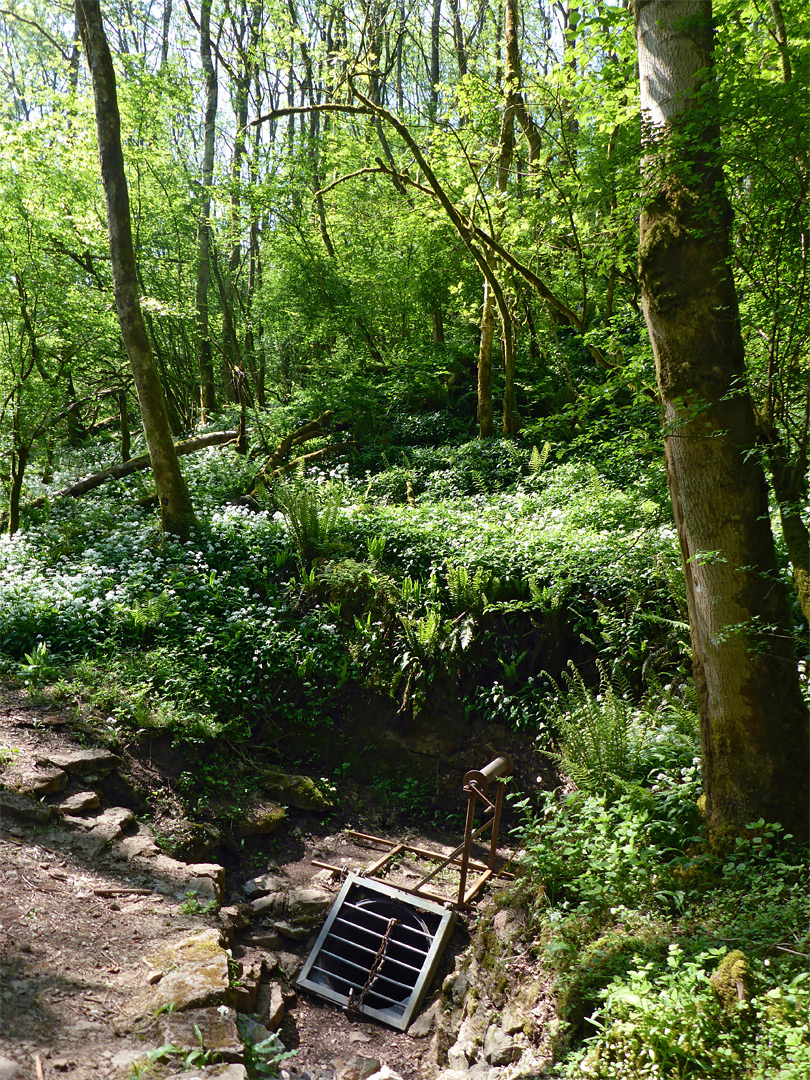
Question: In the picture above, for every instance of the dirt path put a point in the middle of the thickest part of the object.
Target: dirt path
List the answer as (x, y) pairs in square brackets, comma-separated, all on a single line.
[(87, 900)]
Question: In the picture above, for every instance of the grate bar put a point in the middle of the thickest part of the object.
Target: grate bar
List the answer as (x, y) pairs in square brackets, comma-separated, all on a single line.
[(375, 914), (379, 974), (359, 986), (364, 948), (401, 944)]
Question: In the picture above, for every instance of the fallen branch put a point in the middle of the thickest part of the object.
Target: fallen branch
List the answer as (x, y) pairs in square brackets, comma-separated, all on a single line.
[(125, 468), (295, 438), (325, 451)]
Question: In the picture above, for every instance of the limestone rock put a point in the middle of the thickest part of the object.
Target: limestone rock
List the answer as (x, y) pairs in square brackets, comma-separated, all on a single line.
[(217, 1027), (514, 1018), (289, 964), (82, 762), (500, 1048), (24, 806), (300, 792), (423, 1024), (270, 1005), (112, 822), (234, 917), (38, 782), (258, 818), (225, 1072), (195, 975), (266, 883), (10, 1070), (263, 939), (79, 803), (246, 986), (462, 1053), (355, 1067)]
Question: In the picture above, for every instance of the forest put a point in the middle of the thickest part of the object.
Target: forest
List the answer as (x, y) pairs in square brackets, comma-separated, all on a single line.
[(384, 386)]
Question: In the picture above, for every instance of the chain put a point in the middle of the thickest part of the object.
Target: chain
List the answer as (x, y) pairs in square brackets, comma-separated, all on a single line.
[(353, 1007)]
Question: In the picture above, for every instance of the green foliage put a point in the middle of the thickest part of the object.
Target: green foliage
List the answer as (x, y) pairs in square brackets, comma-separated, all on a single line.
[(609, 740), (668, 1021), (39, 666), (311, 514)]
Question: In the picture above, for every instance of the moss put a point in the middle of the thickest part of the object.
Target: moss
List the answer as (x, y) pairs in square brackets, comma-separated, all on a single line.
[(730, 981)]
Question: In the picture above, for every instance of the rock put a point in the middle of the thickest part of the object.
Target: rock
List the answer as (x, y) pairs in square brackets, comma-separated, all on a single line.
[(324, 877), (289, 964), (45, 781), (253, 1031), (462, 1053), (140, 845), (195, 975), (10, 1070), (246, 986), (234, 917), (385, 1073), (292, 931), (217, 1028), (500, 1048), (452, 1074), (258, 818), (272, 904), (355, 1067), (263, 939), (225, 1072), (514, 1018), (207, 879), (300, 792), (82, 762), (423, 1024), (124, 1058), (90, 845), (24, 806), (79, 803), (272, 1012), (112, 822), (267, 883), (506, 926)]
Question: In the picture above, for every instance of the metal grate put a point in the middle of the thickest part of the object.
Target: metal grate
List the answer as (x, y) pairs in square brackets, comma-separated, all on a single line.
[(378, 951)]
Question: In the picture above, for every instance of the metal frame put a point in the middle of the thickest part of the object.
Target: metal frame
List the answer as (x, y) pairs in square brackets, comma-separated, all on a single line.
[(440, 937), (475, 787)]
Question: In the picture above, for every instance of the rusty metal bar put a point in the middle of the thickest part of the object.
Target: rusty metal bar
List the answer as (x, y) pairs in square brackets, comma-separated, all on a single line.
[(383, 859)]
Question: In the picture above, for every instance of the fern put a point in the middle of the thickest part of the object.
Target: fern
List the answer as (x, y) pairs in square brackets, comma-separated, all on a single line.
[(470, 591), (602, 735), (538, 458), (311, 514)]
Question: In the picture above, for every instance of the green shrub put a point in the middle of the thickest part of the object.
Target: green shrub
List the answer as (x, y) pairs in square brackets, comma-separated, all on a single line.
[(673, 1023)]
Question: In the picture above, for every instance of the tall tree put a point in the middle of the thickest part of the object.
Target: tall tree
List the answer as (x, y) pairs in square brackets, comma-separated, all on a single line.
[(175, 503), (204, 361), (754, 725)]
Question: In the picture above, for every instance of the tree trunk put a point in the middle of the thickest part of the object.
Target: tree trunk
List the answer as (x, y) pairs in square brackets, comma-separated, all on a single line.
[(177, 513), (123, 413), (19, 459), (204, 361), (754, 729), (485, 425)]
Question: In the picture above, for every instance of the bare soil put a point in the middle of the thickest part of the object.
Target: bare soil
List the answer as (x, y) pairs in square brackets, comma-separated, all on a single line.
[(75, 929)]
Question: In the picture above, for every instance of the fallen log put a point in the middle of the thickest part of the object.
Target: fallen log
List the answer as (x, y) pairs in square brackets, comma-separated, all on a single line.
[(125, 468), (325, 451), (295, 438)]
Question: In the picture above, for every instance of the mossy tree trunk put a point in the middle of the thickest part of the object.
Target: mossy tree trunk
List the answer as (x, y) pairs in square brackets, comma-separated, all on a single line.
[(175, 503), (754, 725)]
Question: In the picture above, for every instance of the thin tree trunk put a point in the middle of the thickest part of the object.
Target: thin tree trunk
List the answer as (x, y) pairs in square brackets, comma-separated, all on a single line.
[(754, 729), (123, 413), (177, 513), (205, 363)]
